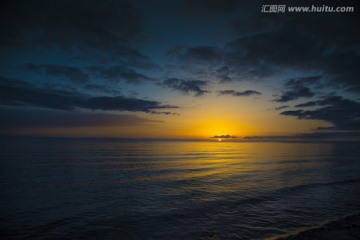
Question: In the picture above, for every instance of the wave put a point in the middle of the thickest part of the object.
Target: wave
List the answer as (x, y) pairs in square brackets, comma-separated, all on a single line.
[(319, 184), (347, 227), (231, 202), (272, 195)]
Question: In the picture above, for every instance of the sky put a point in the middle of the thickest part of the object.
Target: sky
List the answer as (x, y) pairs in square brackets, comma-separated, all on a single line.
[(186, 69)]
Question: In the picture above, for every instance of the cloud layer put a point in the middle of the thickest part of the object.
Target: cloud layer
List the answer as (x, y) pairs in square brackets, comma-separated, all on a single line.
[(186, 86), (343, 114), (135, 55), (19, 93), (238, 93), (56, 119)]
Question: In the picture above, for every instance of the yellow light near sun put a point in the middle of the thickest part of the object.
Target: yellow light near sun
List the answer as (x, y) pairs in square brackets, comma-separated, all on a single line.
[(212, 128)]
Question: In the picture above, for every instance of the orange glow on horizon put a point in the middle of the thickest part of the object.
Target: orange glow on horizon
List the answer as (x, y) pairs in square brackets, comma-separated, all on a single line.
[(208, 129)]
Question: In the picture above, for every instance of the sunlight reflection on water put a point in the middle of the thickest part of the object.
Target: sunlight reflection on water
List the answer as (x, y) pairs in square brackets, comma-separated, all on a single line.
[(178, 190)]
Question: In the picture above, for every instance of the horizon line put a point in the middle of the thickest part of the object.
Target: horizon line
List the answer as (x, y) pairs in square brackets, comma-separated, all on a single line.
[(280, 138)]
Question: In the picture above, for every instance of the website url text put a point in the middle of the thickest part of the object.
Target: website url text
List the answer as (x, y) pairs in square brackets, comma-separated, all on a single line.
[(312, 9)]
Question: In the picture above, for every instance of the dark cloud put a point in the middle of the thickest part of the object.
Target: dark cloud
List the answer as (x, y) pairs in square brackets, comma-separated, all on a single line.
[(343, 70), (297, 88), (215, 6), (84, 21), (16, 93), (31, 118), (199, 55), (282, 107), (118, 73), (261, 55), (113, 73), (86, 30), (316, 136), (186, 86), (224, 136), (223, 74), (343, 114), (206, 12), (11, 82), (301, 81), (237, 93), (328, 45), (73, 74), (201, 62), (285, 47), (269, 44), (102, 88), (165, 113), (121, 103), (307, 104), (116, 53), (297, 92), (202, 54)]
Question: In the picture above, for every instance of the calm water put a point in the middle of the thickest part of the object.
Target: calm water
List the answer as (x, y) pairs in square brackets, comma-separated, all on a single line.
[(103, 189)]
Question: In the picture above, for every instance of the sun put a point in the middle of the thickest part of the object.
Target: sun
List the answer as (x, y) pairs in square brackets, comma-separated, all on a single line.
[(219, 139)]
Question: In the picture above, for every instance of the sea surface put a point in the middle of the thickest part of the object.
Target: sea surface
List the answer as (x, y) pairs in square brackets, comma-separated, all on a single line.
[(116, 189)]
